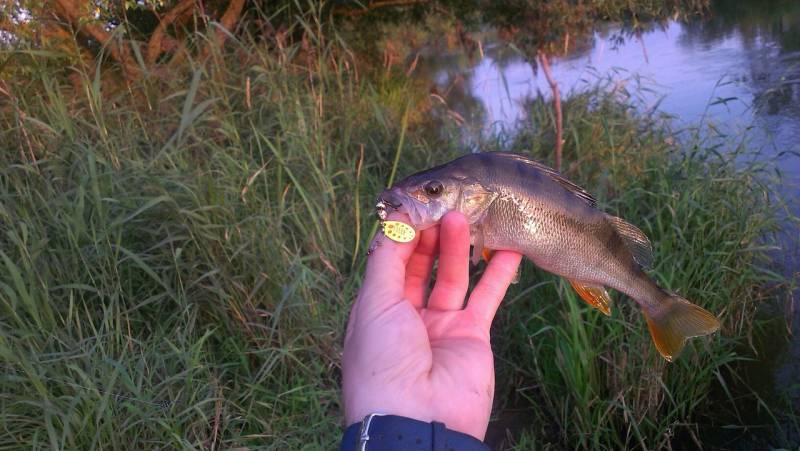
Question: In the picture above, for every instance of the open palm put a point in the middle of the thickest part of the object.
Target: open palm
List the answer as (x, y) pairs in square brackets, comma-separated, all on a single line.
[(431, 361)]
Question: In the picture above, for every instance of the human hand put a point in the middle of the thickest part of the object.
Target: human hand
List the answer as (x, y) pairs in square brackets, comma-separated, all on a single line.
[(430, 362)]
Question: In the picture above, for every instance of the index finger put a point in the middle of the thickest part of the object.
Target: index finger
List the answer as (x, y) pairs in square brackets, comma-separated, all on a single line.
[(490, 290), (384, 280)]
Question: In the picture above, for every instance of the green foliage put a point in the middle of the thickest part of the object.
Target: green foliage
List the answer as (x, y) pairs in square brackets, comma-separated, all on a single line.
[(196, 247), (199, 239), (600, 380)]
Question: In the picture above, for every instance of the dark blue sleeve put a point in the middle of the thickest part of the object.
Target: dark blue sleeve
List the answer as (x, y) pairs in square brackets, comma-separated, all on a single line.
[(395, 433)]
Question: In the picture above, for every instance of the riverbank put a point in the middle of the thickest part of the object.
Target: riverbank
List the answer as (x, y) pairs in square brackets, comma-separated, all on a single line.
[(178, 259)]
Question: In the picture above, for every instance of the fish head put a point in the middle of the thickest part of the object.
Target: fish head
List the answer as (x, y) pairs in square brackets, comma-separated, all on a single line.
[(427, 196)]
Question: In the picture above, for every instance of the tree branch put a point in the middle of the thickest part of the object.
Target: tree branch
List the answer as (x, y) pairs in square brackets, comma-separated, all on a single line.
[(61, 38), (545, 63), (156, 44), (70, 11), (230, 18), (228, 22)]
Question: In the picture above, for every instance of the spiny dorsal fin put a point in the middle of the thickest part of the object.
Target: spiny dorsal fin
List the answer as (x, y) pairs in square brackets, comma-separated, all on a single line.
[(553, 174), (635, 240)]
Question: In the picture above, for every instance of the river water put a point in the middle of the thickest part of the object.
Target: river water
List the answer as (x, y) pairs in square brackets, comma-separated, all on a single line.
[(736, 70)]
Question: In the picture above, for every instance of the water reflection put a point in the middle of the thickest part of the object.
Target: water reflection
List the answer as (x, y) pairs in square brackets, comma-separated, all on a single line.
[(755, 64)]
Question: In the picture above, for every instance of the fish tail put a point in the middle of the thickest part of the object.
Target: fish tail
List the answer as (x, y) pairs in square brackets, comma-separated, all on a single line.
[(674, 320)]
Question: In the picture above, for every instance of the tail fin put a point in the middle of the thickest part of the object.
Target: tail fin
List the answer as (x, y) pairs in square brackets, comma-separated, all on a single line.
[(675, 321)]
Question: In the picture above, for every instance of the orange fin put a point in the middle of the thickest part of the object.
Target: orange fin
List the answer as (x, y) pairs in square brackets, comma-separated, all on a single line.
[(594, 295), (487, 254), (676, 321)]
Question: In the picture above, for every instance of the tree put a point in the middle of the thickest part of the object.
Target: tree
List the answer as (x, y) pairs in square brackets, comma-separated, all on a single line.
[(142, 36)]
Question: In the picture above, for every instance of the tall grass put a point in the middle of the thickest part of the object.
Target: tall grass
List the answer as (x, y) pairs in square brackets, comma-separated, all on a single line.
[(190, 242), (599, 383), (177, 260)]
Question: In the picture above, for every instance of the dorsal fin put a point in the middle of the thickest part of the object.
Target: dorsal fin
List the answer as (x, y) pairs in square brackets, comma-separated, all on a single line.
[(553, 174), (634, 239)]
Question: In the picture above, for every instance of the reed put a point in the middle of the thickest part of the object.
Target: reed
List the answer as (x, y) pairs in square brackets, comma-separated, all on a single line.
[(177, 260)]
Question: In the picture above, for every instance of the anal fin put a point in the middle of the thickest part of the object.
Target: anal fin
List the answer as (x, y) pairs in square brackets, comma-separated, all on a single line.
[(594, 295)]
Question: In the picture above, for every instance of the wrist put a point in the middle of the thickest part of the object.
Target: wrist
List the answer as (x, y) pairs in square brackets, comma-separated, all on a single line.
[(391, 432)]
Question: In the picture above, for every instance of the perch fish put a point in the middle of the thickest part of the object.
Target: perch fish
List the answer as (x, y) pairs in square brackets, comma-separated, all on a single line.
[(515, 203)]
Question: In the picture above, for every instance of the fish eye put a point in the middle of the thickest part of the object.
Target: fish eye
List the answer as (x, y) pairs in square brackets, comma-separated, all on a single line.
[(434, 188)]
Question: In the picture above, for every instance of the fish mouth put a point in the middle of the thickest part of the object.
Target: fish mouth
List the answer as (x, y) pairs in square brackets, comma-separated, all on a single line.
[(384, 203), (391, 200), (381, 207)]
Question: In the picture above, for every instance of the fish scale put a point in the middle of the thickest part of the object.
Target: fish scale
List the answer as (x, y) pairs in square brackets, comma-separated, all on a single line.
[(515, 203), (544, 236)]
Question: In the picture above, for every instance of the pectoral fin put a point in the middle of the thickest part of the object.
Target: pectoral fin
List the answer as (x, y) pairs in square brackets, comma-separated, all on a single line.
[(474, 200), (478, 251), (594, 295)]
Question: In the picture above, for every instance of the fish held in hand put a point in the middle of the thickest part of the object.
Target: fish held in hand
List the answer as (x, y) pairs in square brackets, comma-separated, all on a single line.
[(515, 203)]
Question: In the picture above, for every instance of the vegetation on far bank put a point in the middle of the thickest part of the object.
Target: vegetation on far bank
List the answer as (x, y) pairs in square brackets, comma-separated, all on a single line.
[(178, 257)]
